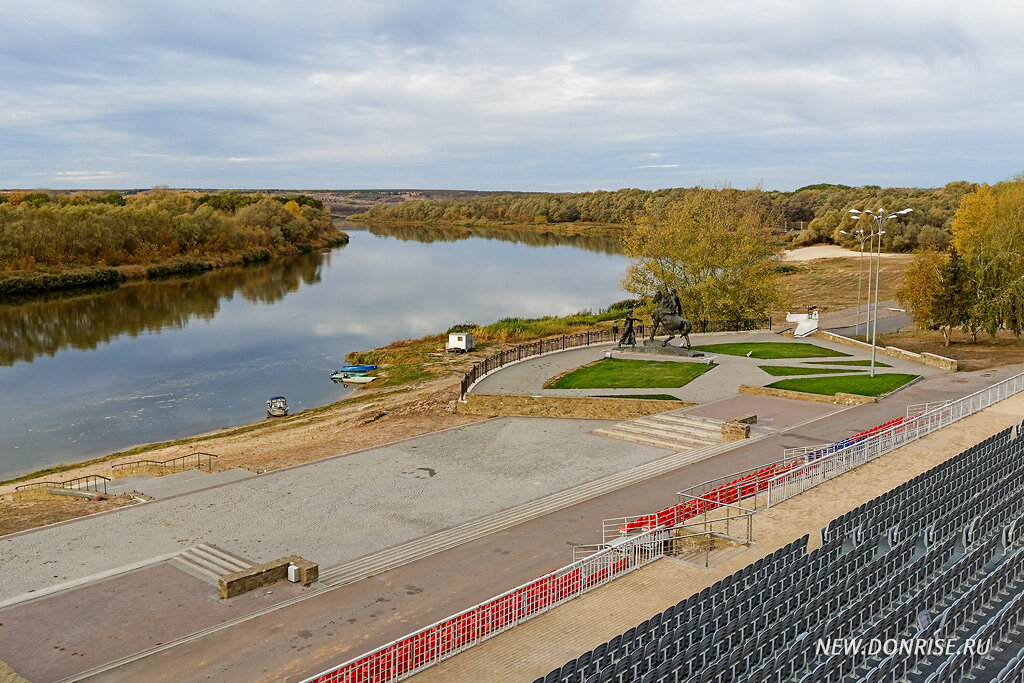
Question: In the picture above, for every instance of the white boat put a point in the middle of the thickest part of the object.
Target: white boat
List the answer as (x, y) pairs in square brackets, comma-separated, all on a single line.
[(277, 406), (357, 379)]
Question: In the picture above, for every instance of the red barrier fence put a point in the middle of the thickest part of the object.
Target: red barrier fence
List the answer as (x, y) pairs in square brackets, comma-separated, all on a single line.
[(429, 645), (743, 487)]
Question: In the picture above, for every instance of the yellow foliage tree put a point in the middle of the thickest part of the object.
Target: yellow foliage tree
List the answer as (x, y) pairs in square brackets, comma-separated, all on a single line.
[(714, 247), (293, 208), (922, 281)]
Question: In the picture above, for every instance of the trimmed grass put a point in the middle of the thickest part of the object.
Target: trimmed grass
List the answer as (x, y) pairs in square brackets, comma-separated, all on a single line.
[(783, 370), (864, 363), (646, 397), (863, 385), (766, 350), (618, 373)]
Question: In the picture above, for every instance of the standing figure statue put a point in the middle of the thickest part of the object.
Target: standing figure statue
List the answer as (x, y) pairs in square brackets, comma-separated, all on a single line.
[(628, 335), (668, 316)]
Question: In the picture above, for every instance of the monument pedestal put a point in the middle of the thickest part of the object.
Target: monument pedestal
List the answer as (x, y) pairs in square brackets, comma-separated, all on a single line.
[(655, 348)]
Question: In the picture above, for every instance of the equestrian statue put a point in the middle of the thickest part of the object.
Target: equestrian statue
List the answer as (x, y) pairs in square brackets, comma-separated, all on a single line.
[(668, 315)]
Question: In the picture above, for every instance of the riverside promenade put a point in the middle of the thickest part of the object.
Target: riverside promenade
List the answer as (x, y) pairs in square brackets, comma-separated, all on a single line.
[(345, 507)]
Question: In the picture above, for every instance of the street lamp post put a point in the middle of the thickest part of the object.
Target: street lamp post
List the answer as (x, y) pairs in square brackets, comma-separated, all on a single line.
[(878, 219), (860, 274)]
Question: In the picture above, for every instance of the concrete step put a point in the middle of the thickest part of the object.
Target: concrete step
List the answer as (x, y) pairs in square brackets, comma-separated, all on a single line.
[(645, 440), (371, 565), (209, 562), (697, 435), (697, 425), (629, 431)]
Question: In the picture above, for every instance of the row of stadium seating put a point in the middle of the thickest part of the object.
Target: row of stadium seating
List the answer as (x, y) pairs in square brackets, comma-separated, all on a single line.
[(940, 558)]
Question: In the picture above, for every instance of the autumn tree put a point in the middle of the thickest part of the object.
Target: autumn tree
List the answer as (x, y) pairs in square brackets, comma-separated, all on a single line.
[(988, 231), (713, 246), (920, 285)]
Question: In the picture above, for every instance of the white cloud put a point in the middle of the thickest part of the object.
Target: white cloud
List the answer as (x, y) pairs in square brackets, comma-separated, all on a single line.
[(510, 95)]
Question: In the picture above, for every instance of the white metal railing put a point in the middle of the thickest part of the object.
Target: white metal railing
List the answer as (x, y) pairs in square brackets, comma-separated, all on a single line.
[(808, 475), (918, 408), (428, 646)]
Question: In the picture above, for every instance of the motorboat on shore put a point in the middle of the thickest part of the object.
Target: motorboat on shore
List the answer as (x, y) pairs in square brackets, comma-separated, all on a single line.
[(353, 374), (356, 379), (277, 406)]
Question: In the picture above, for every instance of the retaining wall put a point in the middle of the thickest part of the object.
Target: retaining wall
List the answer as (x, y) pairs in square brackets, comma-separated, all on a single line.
[(565, 406), (840, 398), (929, 359)]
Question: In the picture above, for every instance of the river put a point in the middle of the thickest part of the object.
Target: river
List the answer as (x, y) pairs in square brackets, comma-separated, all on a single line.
[(88, 374)]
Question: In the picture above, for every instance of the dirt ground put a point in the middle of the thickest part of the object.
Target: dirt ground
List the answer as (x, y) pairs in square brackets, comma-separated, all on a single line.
[(831, 283), (21, 515), (980, 355)]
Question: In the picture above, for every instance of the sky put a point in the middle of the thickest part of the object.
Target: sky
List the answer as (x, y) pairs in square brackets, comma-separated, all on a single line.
[(543, 96)]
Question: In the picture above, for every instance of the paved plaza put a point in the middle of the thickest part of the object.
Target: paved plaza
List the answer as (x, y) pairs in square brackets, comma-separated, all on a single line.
[(333, 510)]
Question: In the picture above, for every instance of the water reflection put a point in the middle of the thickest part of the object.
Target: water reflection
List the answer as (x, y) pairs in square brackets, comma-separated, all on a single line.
[(46, 325), (89, 374), (601, 244)]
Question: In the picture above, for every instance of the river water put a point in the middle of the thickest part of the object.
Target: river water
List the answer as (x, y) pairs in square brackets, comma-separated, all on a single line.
[(93, 373)]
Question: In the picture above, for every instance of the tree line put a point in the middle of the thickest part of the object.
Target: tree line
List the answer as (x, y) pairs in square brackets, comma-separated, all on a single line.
[(49, 231), (977, 285), (809, 215)]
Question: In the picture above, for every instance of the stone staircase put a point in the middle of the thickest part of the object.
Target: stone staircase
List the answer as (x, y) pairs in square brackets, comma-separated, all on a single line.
[(209, 562), (673, 431)]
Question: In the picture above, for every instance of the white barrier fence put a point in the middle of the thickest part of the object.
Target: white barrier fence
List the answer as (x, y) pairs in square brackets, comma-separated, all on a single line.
[(799, 479)]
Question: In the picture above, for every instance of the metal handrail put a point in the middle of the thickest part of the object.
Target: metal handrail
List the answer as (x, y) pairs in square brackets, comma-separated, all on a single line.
[(167, 463), (78, 483)]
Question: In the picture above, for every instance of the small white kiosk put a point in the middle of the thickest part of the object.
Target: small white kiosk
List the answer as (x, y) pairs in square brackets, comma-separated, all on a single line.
[(460, 342)]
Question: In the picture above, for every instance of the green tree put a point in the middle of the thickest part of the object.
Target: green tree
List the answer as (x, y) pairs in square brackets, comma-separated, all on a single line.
[(953, 302), (714, 247)]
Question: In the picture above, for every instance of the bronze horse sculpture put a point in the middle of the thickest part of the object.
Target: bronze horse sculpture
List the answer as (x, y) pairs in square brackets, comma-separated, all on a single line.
[(668, 316)]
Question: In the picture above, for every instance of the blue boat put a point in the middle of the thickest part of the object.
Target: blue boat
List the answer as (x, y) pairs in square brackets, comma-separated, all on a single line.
[(353, 369)]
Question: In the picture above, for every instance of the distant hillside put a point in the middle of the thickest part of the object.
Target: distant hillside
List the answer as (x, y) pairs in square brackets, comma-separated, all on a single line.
[(812, 214)]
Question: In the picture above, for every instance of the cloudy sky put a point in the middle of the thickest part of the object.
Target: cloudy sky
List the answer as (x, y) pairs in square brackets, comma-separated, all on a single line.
[(567, 95)]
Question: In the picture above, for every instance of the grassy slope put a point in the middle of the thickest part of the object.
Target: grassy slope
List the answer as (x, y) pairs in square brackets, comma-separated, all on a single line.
[(865, 363), (766, 350), (783, 370), (850, 384), (617, 373)]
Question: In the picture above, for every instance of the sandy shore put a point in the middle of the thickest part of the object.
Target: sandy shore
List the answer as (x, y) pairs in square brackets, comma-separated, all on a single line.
[(825, 251)]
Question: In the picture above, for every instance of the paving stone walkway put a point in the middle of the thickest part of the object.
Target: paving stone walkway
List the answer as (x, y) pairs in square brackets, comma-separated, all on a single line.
[(334, 510)]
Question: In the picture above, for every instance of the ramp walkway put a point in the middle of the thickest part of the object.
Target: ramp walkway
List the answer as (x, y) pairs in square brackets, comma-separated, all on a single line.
[(533, 649), (176, 484)]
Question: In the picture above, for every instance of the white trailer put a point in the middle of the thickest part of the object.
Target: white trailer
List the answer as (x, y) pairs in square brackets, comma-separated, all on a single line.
[(460, 342)]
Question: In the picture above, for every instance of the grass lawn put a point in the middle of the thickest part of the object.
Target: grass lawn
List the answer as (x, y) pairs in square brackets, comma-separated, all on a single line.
[(772, 350), (865, 363), (864, 385), (618, 373), (647, 397), (783, 370)]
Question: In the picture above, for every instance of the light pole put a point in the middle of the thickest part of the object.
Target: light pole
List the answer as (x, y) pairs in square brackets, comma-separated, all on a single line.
[(878, 219), (860, 274)]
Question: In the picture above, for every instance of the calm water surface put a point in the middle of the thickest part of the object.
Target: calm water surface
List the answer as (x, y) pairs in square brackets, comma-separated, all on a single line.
[(87, 375)]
